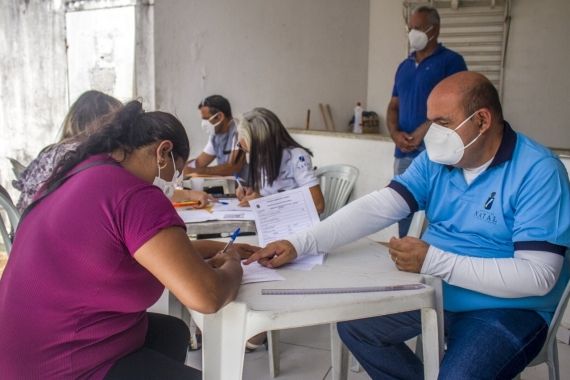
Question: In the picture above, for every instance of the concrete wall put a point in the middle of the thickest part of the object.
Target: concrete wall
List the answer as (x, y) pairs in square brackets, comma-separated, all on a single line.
[(287, 56), (537, 84), (33, 83), (536, 87)]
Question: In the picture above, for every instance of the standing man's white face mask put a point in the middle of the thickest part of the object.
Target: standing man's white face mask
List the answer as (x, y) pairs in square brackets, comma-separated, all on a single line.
[(418, 40)]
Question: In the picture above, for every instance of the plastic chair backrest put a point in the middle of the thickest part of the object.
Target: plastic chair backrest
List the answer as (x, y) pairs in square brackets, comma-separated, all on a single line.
[(417, 224), (13, 217), (337, 182), (17, 167)]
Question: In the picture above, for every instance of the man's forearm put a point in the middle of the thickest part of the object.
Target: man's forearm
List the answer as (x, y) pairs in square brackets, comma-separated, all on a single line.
[(392, 119), (221, 170), (528, 273), (360, 218)]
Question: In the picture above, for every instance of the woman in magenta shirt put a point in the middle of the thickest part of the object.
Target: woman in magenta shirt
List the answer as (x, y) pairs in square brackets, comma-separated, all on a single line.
[(96, 249)]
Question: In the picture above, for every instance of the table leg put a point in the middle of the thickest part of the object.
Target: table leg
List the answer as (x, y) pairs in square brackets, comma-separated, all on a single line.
[(435, 283), (223, 343), (274, 340), (339, 356), (430, 339)]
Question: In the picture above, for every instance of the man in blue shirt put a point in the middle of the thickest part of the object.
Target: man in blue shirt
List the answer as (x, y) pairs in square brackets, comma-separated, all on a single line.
[(498, 232), (416, 77), (217, 121)]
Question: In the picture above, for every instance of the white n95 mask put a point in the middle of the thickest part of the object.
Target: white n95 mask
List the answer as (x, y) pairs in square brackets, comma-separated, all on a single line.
[(418, 40), (444, 146), (166, 186), (208, 127)]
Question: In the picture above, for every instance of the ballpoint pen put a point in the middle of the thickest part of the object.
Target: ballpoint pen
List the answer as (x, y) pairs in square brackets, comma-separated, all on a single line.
[(232, 239), (239, 184)]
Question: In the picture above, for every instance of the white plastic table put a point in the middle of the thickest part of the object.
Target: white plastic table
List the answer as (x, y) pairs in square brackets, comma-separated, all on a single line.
[(363, 263)]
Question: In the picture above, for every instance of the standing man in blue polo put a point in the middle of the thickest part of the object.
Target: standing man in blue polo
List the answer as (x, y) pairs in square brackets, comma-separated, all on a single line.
[(217, 121), (430, 63)]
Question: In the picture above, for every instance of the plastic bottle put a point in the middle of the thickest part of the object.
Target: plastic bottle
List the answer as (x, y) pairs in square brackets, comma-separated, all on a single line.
[(357, 119)]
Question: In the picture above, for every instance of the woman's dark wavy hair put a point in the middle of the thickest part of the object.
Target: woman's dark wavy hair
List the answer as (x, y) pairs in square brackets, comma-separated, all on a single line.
[(128, 128), (266, 138)]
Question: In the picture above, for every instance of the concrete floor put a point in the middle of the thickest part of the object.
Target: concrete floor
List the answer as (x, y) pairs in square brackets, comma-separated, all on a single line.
[(305, 355)]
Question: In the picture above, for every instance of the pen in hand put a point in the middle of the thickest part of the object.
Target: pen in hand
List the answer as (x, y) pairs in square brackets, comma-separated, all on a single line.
[(232, 239), (240, 187)]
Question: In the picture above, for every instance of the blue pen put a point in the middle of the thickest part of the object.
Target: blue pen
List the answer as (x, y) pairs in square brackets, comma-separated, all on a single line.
[(220, 202), (239, 184), (234, 236)]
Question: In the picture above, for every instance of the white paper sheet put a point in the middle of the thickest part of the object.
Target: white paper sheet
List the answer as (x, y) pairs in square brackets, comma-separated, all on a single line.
[(284, 214), (306, 262), (191, 215), (258, 273)]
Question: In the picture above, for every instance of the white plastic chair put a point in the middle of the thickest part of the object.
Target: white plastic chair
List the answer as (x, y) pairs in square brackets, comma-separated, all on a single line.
[(337, 182), (17, 167), (13, 216), (417, 225), (549, 352)]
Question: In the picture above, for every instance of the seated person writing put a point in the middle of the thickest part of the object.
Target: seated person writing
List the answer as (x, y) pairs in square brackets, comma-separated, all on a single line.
[(96, 248), (498, 232), (276, 161), (217, 121)]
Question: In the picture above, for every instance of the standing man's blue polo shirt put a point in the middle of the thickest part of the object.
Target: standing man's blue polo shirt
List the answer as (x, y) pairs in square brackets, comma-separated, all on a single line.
[(520, 202), (414, 84)]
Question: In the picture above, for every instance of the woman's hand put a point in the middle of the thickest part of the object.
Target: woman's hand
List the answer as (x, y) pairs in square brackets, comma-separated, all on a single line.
[(245, 250), (251, 195), (221, 258), (201, 197), (241, 195)]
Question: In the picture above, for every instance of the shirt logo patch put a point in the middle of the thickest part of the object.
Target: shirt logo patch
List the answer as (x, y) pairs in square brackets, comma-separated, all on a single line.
[(302, 158), (489, 202)]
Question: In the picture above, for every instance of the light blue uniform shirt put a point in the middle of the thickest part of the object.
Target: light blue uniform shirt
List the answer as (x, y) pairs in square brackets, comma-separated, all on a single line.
[(520, 202)]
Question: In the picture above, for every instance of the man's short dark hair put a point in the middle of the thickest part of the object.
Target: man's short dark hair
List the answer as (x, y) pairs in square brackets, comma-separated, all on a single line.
[(217, 103), (482, 95)]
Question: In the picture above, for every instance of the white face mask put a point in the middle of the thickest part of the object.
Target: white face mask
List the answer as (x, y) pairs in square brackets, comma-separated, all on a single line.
[(247, 157), (208, 127), (418, 40), (444, 146), (167, 187)]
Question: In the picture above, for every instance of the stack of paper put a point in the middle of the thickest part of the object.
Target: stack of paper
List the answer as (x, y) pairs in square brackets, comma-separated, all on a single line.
[(258, 273)]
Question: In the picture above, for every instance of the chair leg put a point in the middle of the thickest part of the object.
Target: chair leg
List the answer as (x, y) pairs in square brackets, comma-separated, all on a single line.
[(355, 365), (552, 362), (339, 356), (273, 341)]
